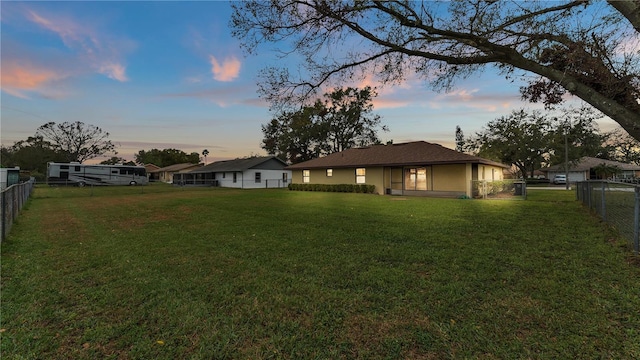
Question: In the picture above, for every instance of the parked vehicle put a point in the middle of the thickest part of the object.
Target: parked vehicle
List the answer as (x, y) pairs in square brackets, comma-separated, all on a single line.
[(81, 175), (560, 179)]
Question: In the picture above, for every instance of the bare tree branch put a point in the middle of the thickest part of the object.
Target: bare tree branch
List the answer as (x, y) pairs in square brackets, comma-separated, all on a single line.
[(574, 46)]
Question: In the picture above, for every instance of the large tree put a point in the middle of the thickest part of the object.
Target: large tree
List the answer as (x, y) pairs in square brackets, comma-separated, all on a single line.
[(576, 130), (116, 160), (623, 147), (296, 136), (586, 48), (350, 118), (341, 120), (31, 154), (528, 139), (166, 157), (77, 140), (521, 139)]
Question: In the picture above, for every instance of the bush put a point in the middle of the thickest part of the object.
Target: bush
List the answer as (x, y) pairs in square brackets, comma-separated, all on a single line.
[(344, 188)]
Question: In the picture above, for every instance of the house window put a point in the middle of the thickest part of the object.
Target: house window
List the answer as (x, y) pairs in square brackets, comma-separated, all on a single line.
[(329, 172), (285, 177), (258, 177), (306, 174), (415, 179), (360, 175), (235, 177), (224, 175)]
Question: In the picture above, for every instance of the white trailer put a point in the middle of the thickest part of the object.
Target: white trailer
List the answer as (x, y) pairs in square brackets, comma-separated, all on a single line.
[(81, 174)]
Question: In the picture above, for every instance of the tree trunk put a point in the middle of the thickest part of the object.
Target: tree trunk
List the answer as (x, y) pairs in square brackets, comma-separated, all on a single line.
[(630, 9), (625, 117)]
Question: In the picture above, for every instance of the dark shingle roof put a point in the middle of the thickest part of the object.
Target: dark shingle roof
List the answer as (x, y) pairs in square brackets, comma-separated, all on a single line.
[(236, 164), (411, 153)]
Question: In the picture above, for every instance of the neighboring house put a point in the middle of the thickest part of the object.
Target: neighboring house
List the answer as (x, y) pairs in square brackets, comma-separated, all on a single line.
[(152, 172), (165, 174), (250, 173), (583, 169), (414, 168)]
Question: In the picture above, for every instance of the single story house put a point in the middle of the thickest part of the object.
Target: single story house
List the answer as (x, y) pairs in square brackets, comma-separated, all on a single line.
[(413, 168), (151, 171), (583, 169), (165, 174), (249, 173)]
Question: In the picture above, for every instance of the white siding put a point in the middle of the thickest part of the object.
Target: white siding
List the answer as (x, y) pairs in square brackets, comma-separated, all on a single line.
[(247, 179)]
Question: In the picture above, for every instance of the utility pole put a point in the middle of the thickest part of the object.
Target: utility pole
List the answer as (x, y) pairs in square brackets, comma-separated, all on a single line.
[(566, 158)]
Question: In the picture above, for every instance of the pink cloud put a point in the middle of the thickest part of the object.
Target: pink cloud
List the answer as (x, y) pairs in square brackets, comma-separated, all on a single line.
[(69, 31), (114, 71), (17, 79), (98, 51), (389, 103), (473, 98), (389, 95), (228, 70)]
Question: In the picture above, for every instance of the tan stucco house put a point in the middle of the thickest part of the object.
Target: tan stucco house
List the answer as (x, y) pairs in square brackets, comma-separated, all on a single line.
[(413, 168), (165, 174)]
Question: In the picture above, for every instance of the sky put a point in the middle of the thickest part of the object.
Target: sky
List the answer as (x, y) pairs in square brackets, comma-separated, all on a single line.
[(170, 75)]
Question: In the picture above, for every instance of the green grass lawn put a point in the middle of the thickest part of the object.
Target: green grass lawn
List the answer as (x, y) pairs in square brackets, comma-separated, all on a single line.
[(169, 273)]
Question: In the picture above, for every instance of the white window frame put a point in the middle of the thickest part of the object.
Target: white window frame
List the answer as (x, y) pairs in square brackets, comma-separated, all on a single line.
[(306, 176), (329, 172)]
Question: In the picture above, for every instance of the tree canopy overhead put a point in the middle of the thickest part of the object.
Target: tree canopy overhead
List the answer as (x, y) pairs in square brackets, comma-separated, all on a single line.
[(586, 48)]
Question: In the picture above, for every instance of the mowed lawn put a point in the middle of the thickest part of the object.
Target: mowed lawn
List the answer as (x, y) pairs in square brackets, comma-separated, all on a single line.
[(168, 273)]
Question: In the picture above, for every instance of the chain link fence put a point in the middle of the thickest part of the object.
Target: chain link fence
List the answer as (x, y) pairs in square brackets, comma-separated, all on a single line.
[(12, 200), (616, 203), (499, 189), (238, 183)]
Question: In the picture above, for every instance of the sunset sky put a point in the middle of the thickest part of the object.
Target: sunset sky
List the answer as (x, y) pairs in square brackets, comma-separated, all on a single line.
[(169, 75)]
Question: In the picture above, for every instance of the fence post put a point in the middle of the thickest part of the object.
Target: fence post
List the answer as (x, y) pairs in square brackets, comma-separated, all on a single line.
[(636, 222), (3, 213), (589, 186), (603, 202)]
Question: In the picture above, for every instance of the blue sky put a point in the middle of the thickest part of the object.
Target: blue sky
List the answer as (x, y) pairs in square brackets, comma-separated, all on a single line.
[(169, 75)]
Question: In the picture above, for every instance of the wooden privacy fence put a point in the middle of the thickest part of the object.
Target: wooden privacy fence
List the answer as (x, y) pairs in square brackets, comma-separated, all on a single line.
[(617, 204), (12, 200)]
